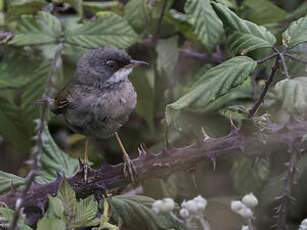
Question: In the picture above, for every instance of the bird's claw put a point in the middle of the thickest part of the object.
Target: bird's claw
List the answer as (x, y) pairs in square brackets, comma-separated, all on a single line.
[(129, 170), (86, 169)]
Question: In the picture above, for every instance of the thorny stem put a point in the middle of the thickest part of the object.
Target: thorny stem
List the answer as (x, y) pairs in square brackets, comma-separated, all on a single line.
[(266, 88), (34, 161), (161, 165), (251, 224), (287, 197)]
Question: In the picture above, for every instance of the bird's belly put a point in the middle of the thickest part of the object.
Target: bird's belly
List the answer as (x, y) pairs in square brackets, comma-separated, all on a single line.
[(102, 114)]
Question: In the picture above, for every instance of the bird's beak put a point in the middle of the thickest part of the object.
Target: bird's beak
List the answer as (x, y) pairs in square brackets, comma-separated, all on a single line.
[(137, 62)]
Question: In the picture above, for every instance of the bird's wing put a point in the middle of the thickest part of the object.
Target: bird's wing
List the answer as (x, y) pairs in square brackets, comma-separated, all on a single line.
[(63, 99)]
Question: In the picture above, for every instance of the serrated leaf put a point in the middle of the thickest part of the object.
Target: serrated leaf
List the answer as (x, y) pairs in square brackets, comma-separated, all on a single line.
[(262, 12), (77, 214), (53, 160), (68, 198), (55, 207), (51, 224), (296, 33), (292, 95), (136, 211), (7, 180), (207, 26), (8, 214), (86, 213), (12, 127), (24, 7), (168, 53), (213, 84), (43, 28), (138, 13), (249, 176), (108, 30), (243, 36)]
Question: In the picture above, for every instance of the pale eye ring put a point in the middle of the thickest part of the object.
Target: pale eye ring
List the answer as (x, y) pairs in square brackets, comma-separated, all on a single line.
[(111, 63)]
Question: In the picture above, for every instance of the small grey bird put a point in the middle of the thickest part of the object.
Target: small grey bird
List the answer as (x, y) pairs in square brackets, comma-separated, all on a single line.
[(99, 98)]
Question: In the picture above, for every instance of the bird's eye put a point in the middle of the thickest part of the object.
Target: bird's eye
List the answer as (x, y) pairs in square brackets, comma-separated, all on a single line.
[(111, 63)]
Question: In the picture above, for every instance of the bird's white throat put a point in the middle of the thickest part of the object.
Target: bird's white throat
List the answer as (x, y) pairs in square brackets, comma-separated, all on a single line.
[(118, 76)]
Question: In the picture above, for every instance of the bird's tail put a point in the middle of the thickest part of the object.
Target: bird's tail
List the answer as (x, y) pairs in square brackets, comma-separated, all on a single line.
[(50, 101)]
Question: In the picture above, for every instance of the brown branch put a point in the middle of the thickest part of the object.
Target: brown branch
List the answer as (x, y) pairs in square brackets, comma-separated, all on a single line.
[(160, 165)]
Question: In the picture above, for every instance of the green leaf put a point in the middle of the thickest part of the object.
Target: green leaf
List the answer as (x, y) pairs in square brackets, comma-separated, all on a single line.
[(53, 161), (8, 214), (207, 26), (100, 6), (15, 69), (136, 211), (296, 33), (168, 53), (298, 12), (18, 8), (249, 176), (138, 13), (34, 90), (12, 127), (108, 30), (51, 224), (180, 21), (7, 180), (213, 84), (292, 95), (262, 12), (77, 214), (141, 83), (43, 28), (243, 36), (55, 207)]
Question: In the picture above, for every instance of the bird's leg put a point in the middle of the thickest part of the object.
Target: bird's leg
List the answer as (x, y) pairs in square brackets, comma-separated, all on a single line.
[(129, 170), (85, 161)]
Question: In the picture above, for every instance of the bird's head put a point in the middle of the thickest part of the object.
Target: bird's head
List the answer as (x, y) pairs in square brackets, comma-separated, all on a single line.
[(105, 66)]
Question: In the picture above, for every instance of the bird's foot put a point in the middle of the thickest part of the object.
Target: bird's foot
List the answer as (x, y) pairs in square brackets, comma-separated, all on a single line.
[(86, 169), (129, 170)]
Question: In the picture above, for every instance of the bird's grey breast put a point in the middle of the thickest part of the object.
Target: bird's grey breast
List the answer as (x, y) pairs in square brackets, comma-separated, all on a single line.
[(102, 111)]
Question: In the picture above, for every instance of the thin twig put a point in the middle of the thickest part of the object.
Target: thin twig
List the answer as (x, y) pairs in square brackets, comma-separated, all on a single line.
[(267, 58), (205, 57), (295, 58), (284, 65), (157, 34), (266, 88), (286, 198), (34, 161)]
